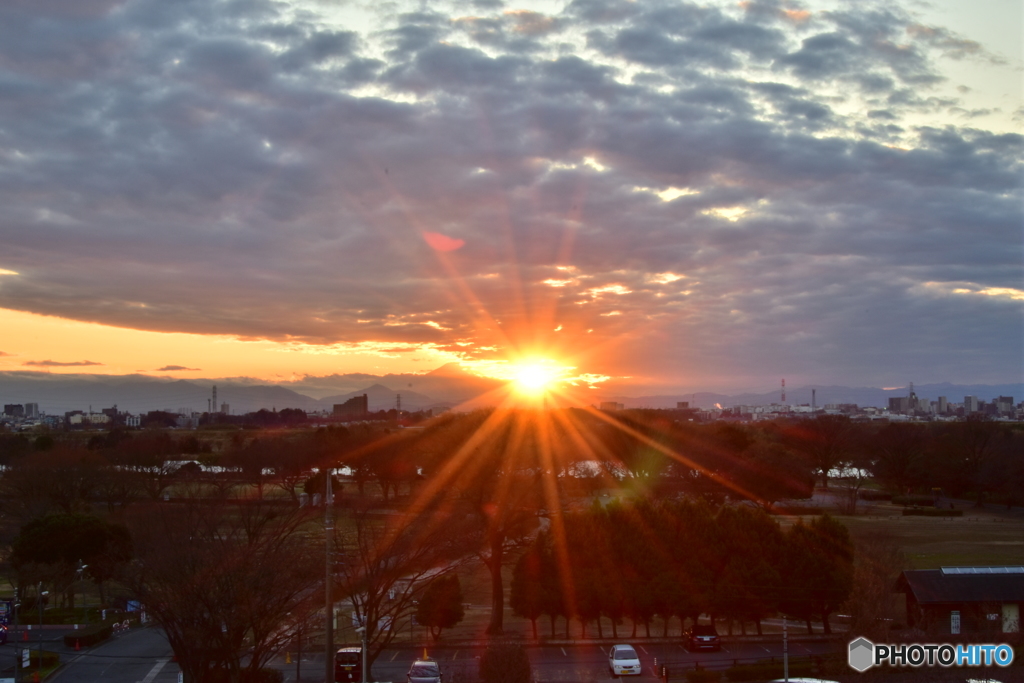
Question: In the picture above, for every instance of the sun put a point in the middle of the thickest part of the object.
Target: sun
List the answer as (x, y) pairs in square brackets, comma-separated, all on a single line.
[(535, 378)]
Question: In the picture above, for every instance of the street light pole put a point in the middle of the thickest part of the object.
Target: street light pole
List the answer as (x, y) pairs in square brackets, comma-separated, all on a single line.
[(329, 597), (17, 640), (364, 653), (80, 571), (785, 649), (39, 598)]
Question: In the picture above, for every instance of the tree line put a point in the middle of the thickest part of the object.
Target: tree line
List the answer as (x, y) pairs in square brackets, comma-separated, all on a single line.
[(679, 560)]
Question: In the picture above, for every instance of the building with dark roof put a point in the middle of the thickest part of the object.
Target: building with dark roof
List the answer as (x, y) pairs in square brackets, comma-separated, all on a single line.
[(964, 600)]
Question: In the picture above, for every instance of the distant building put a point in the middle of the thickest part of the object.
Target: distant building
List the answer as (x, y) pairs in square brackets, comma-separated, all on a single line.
[(943, 405), (133, 420), (225, 408), (899, 404), (31, 410), (971, 404), (682, 405), (14, 410), (1004, 405), (357, 405), (186, 421)]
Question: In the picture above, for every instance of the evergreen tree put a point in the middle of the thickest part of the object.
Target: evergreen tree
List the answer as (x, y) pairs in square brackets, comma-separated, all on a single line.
[(441, 605), (526, 597)]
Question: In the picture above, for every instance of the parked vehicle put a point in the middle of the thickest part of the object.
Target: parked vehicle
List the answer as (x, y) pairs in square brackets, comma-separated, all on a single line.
[(702, 637), (623, 661), (3, 634), (424, 671), (348, 664)]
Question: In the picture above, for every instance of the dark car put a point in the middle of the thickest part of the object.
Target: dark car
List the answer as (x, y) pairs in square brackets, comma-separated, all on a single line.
[(3, 634), (702, 637), (348, 665)]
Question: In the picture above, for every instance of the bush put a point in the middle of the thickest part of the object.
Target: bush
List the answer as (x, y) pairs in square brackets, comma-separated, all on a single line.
[(703, 676), (89, 635), (872, 494), (262, 676), (505, 663), (246, 676), (766, 671), (915, 499), (931, 512), (796, 510), (50, 659)]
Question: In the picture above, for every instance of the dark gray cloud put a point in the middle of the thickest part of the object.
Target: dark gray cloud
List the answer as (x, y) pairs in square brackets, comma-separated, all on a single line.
[(684, 189), (59, 364), (175, 368)]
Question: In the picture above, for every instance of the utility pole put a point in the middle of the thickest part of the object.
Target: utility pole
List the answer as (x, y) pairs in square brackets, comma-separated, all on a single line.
[(39, 598), (17, 640), (329, 534), (785, 650)]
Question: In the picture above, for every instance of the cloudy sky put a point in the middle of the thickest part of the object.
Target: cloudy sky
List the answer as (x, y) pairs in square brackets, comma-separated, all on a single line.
[(661, 194)]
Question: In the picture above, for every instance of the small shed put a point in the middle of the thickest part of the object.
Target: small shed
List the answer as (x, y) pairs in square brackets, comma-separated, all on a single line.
[(964, 600)]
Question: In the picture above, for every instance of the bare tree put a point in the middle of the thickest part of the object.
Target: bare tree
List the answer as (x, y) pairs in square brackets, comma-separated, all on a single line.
[(873, 604), (224, 579), (384, 563)]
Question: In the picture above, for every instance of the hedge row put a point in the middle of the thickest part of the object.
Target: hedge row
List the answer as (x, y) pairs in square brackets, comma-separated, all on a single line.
[(872, 494), (89, 635), (931, 512), (50, 659), (766, 671), (760, 671), (915, 499)]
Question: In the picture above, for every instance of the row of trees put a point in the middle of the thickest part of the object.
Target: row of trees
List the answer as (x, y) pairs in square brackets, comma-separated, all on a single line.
[(681, 560), (765, 462)]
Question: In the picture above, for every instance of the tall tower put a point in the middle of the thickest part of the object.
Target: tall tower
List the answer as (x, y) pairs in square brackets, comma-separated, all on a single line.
[(814, 400), (214, 399), (783, 391), (398, 403)]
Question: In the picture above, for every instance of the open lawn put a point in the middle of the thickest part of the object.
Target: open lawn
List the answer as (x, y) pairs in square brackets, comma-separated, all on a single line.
[(983, 536)]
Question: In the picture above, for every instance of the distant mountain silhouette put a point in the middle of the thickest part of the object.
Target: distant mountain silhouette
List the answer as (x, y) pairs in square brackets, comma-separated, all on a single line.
[(448, 385)]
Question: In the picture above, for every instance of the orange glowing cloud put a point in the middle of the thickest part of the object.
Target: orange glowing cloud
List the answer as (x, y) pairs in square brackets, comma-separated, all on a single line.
[(441, 242)]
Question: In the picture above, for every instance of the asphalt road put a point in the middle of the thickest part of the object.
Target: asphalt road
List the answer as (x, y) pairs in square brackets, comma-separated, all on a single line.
[(143, 656)]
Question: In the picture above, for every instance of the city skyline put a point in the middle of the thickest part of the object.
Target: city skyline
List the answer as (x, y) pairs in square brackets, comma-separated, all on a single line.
[(613, 196)]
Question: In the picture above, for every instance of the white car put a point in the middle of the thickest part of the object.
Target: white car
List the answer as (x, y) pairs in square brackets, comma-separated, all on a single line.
[(623, 661)]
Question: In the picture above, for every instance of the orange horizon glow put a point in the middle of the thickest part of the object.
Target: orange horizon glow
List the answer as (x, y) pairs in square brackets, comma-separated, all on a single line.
[(48, 344)]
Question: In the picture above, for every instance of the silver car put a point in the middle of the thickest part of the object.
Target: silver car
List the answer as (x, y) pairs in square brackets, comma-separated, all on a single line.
[(424, 671)]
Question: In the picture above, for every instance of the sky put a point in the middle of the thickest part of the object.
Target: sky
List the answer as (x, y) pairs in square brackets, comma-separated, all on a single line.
[(670, 196)]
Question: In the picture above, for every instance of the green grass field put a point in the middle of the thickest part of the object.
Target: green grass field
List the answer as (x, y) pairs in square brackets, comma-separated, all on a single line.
[(979, 538)]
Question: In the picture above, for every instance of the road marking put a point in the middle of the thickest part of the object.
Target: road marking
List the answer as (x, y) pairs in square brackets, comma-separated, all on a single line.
[(394, 655), (564, 653), (724, 648), (455, 656), (765, 649), (645, 650), (155, 670)]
